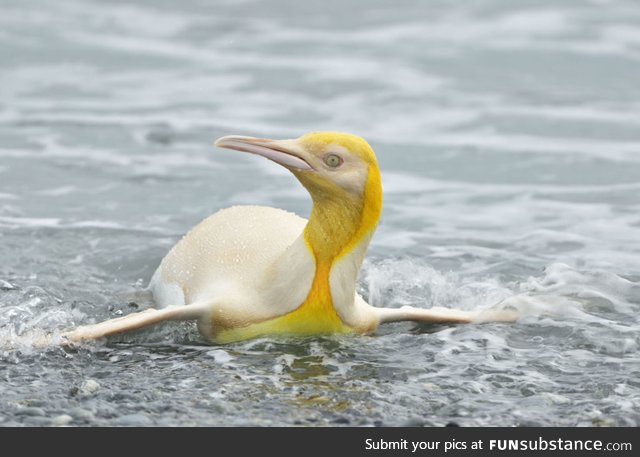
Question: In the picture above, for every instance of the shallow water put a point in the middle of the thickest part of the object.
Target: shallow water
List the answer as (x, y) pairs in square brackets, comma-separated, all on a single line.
[(509, 142)]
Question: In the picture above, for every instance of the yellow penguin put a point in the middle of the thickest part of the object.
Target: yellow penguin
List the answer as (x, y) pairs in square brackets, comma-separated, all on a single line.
[(248, 271)]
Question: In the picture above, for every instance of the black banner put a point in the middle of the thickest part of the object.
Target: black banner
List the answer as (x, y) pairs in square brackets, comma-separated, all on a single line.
[(303, 442)]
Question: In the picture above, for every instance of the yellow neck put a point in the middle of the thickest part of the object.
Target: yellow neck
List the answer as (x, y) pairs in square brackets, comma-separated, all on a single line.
[(338, 221)]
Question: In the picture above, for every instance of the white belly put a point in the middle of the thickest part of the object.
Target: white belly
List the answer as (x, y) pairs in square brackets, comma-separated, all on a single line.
[(226, 253)]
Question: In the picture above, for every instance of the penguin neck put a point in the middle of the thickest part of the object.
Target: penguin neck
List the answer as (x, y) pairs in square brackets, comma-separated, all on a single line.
[(320, 268), (332, 228), (340, 227)]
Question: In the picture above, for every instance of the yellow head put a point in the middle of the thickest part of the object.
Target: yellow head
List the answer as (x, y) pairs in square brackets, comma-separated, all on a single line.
[(341, 164), (340, 171)]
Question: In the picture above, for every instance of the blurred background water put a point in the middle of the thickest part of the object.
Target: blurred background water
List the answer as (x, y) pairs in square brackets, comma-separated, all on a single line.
[(509, 142)]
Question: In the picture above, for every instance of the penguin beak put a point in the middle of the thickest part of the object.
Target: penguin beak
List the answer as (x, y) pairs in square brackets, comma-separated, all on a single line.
[(287, 153)]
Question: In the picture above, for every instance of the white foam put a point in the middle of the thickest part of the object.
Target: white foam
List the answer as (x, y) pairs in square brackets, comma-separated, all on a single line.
[(560, 293)]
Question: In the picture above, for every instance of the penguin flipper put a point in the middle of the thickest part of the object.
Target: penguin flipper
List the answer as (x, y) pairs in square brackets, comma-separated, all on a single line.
[(440, 315), (135, 321)]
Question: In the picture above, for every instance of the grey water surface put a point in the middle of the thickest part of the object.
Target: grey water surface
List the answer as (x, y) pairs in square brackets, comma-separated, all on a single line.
[(508, 135)]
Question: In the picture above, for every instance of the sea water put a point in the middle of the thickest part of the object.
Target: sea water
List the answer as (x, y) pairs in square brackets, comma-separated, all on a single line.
[(508, 136)]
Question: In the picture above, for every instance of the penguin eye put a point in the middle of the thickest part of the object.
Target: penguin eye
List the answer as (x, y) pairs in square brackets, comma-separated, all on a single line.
[(333, 160)]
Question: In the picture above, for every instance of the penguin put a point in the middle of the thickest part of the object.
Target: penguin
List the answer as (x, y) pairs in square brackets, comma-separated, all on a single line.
[(251, 271)]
